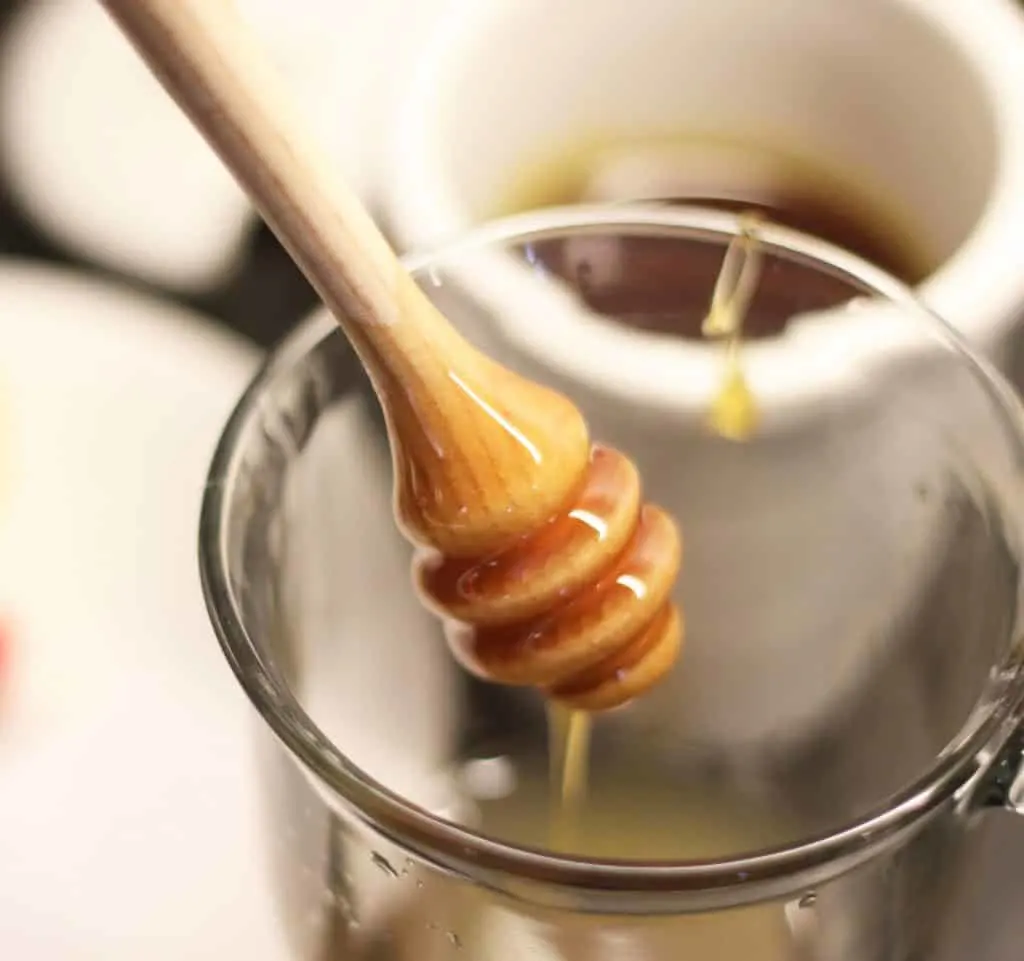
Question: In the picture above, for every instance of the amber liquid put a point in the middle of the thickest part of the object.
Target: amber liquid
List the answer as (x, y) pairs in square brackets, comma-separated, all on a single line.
[(659, 285), (784, 186), (637, 810), (569, 732)]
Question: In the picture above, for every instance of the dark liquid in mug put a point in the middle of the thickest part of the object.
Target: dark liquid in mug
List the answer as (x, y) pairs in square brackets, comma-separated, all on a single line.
[(663, 286)]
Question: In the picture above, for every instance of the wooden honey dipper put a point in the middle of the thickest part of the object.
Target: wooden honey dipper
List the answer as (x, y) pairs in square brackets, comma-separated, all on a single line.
[(534, 547)]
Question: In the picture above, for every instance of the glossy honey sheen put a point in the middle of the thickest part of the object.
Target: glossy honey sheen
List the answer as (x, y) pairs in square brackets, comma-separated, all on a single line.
[(734, 413), (582, 608), (569, 751)]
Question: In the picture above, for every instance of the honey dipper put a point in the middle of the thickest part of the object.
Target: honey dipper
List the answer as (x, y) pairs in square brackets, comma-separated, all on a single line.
[(534, 547)]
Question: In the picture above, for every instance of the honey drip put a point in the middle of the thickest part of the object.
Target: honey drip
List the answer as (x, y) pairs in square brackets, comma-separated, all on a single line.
[(580, 609), (733, 412), (569, 733)]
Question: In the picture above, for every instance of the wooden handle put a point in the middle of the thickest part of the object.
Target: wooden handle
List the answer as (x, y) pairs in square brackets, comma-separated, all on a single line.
[(481, 455), (209, 60), (544, 555)]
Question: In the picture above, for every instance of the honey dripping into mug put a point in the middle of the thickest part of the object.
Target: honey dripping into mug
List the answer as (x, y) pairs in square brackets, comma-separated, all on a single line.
[(733, 413), (582, 608)]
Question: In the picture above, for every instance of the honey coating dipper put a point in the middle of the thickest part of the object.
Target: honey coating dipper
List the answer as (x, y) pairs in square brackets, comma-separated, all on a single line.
[(535, 548)]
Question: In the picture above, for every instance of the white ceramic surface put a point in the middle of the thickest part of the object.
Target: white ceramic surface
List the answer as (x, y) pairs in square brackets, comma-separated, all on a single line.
[(102, 161), (921, 100), (129, 820)]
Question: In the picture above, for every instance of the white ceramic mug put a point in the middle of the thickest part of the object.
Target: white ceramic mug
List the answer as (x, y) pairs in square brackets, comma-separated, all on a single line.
[(922, 99)]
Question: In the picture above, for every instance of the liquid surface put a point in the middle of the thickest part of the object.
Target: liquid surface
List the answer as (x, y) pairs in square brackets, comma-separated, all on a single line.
[(581, 609), (635, 811), (782, 185), (660, 285)]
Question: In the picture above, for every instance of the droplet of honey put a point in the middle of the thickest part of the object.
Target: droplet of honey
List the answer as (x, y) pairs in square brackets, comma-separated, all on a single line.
[(734, 413)]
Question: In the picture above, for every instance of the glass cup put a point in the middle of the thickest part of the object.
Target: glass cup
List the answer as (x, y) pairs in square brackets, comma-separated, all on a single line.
[(807, 782)]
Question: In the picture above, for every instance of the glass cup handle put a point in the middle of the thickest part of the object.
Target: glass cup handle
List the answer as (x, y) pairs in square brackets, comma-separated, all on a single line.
[(1002, 785)]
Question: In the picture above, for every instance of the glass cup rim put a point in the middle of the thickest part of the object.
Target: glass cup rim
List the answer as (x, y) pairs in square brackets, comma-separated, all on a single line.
[(550, 876)]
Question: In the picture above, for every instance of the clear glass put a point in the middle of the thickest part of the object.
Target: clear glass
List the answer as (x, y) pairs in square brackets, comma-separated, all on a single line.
[(804, 784)]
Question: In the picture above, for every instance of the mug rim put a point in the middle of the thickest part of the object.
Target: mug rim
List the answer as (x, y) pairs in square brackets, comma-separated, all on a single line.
[(670, 376), (547, 877)]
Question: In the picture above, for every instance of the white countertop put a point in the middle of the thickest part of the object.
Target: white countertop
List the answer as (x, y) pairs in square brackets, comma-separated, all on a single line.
[(128, 821)]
